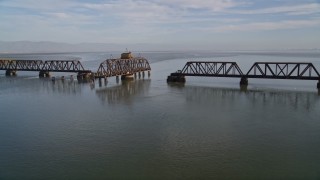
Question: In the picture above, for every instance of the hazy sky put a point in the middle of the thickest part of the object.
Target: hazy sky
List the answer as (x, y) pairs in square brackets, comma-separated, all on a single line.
[(199, 24)]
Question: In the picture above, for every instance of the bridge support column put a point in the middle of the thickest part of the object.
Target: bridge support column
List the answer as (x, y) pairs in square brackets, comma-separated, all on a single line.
[(105, 81), (44, 74), (318, 85), (243, 84), (11, 73), (117, 79), (244, 81), (149, 74), (100, 83)]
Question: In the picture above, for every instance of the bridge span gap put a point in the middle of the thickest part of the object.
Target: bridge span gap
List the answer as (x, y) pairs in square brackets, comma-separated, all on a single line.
[(262, 70)]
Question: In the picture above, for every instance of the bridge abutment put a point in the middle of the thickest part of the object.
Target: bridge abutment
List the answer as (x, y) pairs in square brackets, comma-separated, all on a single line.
[(11, 73), (173, 78), (44, 74)]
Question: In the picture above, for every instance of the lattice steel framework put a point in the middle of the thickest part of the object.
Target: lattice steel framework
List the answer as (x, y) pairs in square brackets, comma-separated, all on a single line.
[(117, 67), (215, 69), (283, 70), (39, 65), (63, 66)]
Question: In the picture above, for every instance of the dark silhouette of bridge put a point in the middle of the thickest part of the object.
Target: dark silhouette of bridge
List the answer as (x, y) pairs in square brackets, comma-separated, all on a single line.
[(264, 70), (44, 67)]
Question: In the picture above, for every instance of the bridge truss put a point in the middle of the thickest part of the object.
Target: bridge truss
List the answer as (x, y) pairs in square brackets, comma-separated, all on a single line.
[(283, 70), (118, 67), (39, 65), (214, 69), (264, 70)]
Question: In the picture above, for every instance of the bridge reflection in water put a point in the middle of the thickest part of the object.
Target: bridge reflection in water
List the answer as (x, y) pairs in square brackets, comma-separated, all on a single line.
[(126, 92), (62, 86), (222, 96)]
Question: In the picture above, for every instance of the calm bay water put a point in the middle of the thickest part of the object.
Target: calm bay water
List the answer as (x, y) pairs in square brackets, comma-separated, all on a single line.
[(148, 129)]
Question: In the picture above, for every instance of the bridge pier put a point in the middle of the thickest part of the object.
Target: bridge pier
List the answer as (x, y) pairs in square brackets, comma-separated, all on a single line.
[(105, 81), (11, 73), (100, 82), (318, 85), (243, 88), (44, 74), (173, 78), (84, 76), (127, 76), (117, 79), (244, 81)]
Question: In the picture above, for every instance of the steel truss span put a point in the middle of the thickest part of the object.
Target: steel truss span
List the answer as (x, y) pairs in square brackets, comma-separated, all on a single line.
[(118, 67), (263, 70), (283, 70), (267, 70), (215, 69), (39, 65)]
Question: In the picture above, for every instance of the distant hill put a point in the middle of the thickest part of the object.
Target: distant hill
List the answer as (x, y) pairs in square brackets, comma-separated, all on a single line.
[(47, 47)]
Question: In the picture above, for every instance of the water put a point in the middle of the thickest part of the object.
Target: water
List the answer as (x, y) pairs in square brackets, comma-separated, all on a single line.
[(148, 129)]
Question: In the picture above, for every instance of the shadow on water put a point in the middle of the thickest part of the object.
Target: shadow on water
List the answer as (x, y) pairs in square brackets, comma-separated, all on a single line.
[(125, 92), (211, 95), (296, 100), (62, 86)]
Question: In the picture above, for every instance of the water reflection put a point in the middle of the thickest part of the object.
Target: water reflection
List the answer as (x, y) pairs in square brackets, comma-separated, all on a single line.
[(38, 85), (61, 86), (124, 92), (295, 100), (210, 95)]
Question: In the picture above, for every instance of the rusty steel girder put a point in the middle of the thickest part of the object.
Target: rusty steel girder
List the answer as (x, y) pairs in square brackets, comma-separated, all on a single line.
[(118, 67)]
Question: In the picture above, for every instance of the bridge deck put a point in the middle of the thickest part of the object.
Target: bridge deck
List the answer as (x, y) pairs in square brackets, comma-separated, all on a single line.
[(108, 68)]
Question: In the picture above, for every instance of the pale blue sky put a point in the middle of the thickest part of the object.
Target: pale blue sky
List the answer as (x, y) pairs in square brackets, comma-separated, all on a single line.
[(198, 24)]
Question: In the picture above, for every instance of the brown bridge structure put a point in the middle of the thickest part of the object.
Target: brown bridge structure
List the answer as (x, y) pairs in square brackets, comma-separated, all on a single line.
[(264, 70), (127, 67), (124, 67), (44, 67)]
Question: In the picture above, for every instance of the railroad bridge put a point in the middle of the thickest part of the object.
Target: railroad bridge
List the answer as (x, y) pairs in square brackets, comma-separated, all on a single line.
[(127, 67), (264, 70), (44, 67)]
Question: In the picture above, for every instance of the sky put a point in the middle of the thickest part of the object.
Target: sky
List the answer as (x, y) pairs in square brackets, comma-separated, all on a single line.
[(189, 24)]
